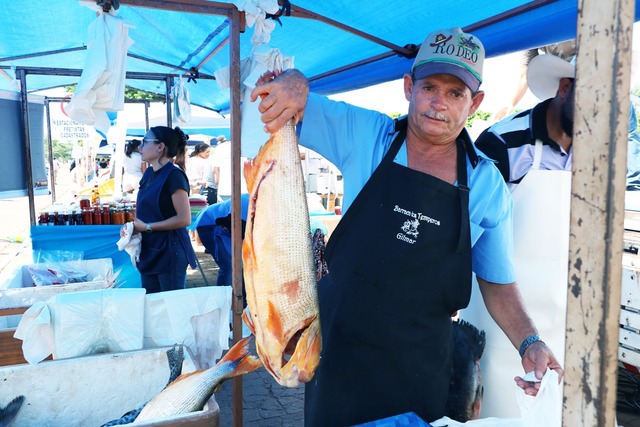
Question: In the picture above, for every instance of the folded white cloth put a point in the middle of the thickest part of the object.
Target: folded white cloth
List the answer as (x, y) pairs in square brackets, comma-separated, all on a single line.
[(131, 243)]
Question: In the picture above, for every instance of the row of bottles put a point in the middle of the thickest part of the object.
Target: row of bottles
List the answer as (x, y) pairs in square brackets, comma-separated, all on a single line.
[(91, 215)]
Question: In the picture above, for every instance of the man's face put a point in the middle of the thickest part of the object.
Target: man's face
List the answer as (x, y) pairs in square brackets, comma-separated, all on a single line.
[(566, 118), (439, 106)]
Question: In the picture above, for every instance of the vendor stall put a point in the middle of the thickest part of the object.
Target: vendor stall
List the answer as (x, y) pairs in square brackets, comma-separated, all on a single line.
[(95, 241)]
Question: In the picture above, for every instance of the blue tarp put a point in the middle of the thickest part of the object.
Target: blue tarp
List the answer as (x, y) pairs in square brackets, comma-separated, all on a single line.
[(169, 41)]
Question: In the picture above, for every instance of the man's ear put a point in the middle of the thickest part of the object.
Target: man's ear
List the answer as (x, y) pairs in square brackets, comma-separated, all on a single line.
[(476, 101), (408, 86), (564, 86)]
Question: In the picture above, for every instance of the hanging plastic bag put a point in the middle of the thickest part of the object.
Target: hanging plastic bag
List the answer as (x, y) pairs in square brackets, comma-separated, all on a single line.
[(181, 102)]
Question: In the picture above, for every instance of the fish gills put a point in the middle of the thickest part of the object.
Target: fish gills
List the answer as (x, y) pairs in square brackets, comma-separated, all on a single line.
[(278, 266), (190, 392)]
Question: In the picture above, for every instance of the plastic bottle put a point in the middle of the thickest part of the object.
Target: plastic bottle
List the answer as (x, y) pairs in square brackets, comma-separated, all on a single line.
[(95, 196)]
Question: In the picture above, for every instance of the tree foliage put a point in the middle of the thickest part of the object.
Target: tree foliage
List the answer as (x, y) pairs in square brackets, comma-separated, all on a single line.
[(131, 93), (478, 115)]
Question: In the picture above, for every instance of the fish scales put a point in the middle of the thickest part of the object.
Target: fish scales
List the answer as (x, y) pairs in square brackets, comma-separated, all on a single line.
[(279, 272), (190, 392)]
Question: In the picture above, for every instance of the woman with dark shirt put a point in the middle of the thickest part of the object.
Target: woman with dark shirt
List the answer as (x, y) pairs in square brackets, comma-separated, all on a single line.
[(163, 212)]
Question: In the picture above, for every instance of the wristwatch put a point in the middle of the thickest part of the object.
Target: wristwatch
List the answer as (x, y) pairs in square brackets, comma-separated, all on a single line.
[(148, 229)]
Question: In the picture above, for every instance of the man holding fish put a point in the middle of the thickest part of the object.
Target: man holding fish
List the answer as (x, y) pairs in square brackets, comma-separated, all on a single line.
[(422, 208)]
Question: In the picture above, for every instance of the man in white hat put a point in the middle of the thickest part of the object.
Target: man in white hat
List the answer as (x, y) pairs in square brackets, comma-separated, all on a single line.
[(534, 153), (421, 210)]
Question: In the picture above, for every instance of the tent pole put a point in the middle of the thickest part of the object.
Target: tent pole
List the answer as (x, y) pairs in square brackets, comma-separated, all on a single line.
[(236, 207), (21, 74), (601, 117), (52, 170), (168, 81)]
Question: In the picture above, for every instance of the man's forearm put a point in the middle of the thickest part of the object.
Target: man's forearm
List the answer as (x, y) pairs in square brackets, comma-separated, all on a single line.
[(507, 309)]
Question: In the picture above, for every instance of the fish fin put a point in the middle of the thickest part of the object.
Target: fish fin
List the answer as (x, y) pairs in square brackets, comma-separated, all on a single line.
[(248, 322), (304, 361), (251, 167), (9, 412), (274, 323), (239, 355), (237, 352), (249, 175)]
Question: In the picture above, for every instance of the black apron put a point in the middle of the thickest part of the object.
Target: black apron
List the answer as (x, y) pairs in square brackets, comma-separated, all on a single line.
[(399, 267)]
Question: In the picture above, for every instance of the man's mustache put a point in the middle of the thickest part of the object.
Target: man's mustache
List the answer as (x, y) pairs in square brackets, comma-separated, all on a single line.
[(435, 115)]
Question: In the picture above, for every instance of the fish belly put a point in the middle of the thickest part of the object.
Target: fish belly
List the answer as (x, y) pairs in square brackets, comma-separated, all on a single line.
[(278, 260)]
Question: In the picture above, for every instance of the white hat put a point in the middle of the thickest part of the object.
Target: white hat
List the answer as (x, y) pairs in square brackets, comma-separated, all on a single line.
[(544, 73), (450, 51)]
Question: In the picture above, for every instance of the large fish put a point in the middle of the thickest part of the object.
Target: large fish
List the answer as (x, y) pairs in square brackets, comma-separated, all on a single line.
[(189, 392), (279, 270)]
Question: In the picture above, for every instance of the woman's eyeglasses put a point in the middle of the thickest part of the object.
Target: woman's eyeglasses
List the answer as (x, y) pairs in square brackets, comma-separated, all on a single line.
[(146, 141)]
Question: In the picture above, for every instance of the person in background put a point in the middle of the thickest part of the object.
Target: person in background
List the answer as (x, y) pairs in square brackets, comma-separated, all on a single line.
[(196, 168), (421, 208), (222, 171), (534, 153), (163, 212), (132, 166), (567, 51), (465, 389), (213, 225), (89, 169), (209, 176)]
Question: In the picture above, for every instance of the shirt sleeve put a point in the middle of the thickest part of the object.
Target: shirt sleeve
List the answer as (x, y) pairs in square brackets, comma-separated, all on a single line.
[(490, 213), (495, 148), (354, 139)]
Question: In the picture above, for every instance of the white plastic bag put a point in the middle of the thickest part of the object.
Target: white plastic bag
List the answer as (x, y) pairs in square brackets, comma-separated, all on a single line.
[(181, 103), (544, 409)]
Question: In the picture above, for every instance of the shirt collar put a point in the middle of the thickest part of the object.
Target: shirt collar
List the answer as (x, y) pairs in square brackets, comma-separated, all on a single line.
[(538, 125)]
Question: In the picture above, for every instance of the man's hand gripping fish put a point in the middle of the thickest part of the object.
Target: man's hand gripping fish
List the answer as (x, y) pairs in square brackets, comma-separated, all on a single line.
[(279, 271)]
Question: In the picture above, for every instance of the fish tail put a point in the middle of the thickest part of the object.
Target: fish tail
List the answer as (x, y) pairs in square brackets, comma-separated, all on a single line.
[(175, 357), (9, 412), (238, 356)]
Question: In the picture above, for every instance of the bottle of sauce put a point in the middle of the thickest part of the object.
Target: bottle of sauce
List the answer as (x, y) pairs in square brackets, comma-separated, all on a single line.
[(118, 216), (43, 218), (87, 216), (97, 215), (106, 214)]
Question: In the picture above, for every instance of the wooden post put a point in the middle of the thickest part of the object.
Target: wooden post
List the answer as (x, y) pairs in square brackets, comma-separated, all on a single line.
[(236, 211), (604, 34)]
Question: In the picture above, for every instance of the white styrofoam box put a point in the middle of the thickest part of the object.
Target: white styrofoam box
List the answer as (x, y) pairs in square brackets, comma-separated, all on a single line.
[(91, 322), (19, 291), (195, 317), (93, 390)]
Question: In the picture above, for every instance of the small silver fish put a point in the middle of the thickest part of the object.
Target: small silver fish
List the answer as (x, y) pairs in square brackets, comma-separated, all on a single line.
[(190, 392)]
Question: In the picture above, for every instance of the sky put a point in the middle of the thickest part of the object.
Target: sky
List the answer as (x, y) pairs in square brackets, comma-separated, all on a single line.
[(500, 77)]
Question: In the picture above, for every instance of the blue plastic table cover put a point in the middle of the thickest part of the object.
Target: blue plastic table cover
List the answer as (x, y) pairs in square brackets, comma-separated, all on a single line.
[(95, 241)]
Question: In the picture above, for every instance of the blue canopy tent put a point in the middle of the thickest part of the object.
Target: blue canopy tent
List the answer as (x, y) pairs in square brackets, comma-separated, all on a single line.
[(338, 45)]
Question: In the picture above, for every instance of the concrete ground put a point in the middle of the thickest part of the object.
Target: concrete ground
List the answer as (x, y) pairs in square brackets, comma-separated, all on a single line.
[(264, 403)]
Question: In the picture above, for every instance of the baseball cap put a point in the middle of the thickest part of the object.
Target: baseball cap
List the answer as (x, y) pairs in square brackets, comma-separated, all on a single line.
[(451, 51), (544, 73)]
